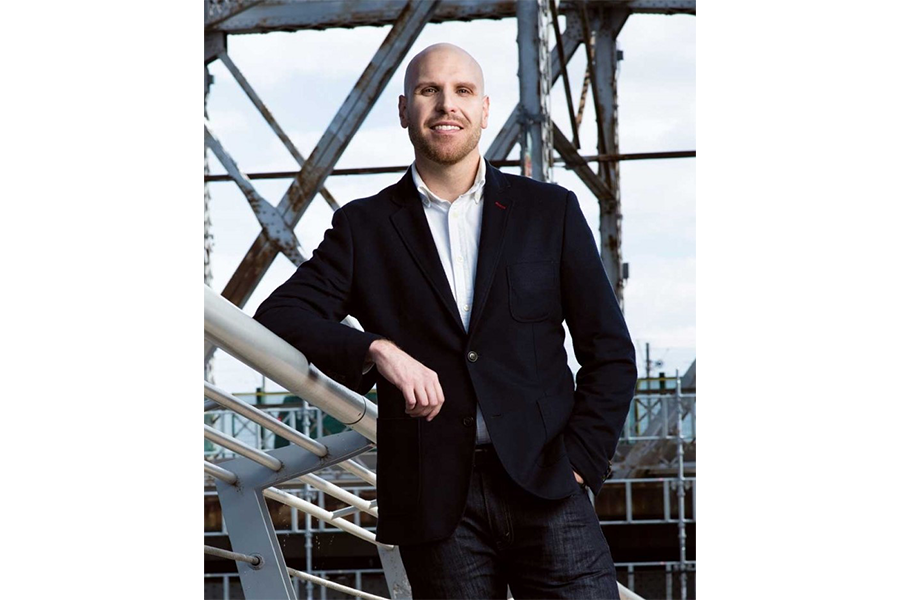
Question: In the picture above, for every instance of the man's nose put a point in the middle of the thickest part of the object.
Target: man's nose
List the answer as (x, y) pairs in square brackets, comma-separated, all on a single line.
[(446, 103)]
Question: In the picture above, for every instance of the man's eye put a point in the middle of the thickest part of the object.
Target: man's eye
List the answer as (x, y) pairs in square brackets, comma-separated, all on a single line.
[(465, 90)]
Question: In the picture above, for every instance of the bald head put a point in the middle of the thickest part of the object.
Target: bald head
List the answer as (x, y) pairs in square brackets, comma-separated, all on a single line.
[(444, 107), (438, 57)]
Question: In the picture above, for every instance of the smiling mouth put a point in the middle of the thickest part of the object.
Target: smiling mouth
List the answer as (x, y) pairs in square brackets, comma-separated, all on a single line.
[(446, 128)]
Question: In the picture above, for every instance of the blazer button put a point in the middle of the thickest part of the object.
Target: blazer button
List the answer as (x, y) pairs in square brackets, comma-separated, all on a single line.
[(472, 356), (468, 421)]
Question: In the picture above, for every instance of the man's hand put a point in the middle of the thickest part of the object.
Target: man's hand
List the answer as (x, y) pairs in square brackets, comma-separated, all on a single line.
[(419, 384), (578, 477)]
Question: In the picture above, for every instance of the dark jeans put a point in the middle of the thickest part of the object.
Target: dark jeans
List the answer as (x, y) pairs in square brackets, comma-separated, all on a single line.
[(540, 548)]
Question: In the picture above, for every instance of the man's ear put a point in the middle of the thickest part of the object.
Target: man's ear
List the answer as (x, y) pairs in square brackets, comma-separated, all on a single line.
[(401, 108), (486, 106)]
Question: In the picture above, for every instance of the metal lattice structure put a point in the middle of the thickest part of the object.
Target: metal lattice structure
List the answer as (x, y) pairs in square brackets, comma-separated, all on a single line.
[(545, 50)]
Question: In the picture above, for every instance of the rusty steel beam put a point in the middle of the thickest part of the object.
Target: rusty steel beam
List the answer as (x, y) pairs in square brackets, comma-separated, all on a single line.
[(218, 11), (585, 86), (214, 43), (220, 177), (640, 156), (561, 57), (605, 27), (274, 229), (508, 135), (581, 168), (270, 119), (294, 15), (588, 38), (207, 221), (535, 132), (345, 124), (605, 24)]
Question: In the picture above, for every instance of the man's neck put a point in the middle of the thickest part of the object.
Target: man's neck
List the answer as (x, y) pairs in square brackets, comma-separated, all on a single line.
[(449, 181)]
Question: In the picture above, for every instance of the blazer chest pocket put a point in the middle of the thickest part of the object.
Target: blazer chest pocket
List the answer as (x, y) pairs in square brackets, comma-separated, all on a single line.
[(532, 288)]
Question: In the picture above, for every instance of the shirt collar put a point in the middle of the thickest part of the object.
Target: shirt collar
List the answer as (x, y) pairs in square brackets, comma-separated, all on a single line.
[(428, 196)]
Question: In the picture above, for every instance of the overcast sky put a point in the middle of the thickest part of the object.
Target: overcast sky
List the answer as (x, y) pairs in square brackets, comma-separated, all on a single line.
[(304, 77)]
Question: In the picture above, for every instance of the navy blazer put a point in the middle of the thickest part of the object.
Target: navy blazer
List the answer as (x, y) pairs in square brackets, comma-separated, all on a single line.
[(538, 264)]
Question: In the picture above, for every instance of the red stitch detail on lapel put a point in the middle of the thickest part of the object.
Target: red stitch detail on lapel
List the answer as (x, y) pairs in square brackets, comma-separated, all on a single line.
[(500, 205)]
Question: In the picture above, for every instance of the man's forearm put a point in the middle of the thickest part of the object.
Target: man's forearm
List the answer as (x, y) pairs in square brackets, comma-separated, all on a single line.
[(376, 350)]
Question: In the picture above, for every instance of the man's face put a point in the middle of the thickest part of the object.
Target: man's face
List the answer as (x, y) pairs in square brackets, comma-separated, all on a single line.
[(446, 110)]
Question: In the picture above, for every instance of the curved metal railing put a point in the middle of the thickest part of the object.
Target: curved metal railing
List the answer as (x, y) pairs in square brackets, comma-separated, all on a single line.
[(252, 476)]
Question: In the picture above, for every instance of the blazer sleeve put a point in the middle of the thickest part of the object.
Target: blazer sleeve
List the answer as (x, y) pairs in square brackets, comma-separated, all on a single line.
[(306, 310), (605, 382)]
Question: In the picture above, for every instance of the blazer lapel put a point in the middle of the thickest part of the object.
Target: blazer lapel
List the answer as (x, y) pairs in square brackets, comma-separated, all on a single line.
[(496, 208), (412, 226)]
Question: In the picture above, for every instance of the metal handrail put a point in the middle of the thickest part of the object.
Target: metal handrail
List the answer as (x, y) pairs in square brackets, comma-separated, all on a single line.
[(263, 419), (254, 560), (219, 473), (227, 327), (245, 450)]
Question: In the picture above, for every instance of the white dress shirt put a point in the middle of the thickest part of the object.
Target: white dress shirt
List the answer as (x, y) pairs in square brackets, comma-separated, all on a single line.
[(456, 229)]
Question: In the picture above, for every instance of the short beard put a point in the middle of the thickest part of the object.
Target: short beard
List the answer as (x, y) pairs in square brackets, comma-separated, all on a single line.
[(441, 155)]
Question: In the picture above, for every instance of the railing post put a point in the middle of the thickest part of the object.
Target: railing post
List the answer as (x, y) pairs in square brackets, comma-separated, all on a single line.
[(250, 526)]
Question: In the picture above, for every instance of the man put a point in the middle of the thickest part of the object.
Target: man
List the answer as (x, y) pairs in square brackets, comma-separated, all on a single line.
[(462, 276)]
